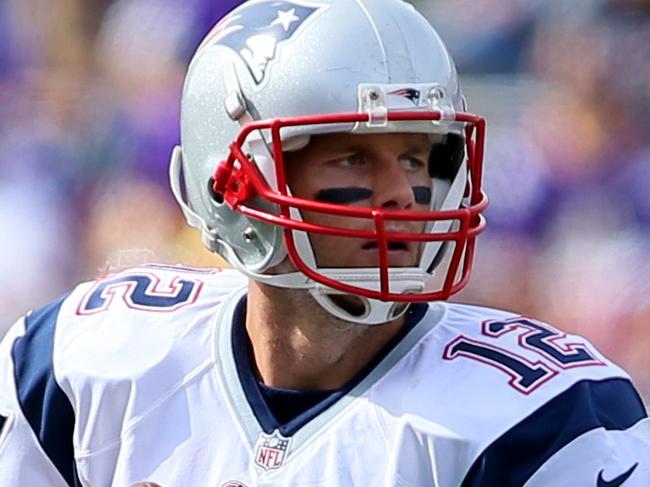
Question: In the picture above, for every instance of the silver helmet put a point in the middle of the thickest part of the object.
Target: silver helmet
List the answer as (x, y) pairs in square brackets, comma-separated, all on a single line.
[(274, 73)]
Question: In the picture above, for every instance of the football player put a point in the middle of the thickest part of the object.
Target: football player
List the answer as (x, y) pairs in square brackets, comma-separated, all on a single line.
[(328, 155)]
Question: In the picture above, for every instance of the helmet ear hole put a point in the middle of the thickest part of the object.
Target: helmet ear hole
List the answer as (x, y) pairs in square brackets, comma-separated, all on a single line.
[(216, 196)]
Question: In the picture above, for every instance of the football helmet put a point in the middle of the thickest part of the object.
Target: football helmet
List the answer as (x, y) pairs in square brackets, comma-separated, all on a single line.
[(274, 73)]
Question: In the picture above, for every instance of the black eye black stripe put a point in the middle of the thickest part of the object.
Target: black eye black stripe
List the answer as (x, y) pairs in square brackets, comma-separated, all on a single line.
[(422, 195), (345, 196)]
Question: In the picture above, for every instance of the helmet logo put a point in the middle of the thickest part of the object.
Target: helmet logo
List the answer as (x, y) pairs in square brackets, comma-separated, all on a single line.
[(410, 93), (255, 29)]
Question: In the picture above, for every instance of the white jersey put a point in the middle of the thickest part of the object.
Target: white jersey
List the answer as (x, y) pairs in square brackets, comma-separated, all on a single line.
[(144, 376)]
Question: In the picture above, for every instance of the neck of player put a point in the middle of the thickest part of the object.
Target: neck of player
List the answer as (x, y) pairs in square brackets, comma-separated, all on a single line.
[(298, 345)]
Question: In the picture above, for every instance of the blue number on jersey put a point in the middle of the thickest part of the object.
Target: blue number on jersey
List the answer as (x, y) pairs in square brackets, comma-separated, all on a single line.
[(542, 339), (140, 291), (526, 376)]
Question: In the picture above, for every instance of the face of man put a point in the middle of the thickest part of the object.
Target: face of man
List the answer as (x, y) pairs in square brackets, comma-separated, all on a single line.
[(387, 171)]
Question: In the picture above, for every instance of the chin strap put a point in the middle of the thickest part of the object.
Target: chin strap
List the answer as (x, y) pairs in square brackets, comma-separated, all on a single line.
[(374, 312), (350, 307)]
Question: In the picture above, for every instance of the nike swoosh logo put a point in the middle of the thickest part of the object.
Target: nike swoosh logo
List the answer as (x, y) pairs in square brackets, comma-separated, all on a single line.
[(618, 480)]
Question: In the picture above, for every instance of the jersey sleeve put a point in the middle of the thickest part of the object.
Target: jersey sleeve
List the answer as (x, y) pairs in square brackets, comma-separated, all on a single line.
[(594, 433), (601, 457), (36, 417)]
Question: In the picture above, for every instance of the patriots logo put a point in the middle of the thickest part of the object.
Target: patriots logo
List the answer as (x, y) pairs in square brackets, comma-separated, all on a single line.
[(257, 28), (410, 93)]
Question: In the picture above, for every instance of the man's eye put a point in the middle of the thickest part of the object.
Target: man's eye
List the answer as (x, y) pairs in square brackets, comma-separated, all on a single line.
[(351, 161), (412, 163)]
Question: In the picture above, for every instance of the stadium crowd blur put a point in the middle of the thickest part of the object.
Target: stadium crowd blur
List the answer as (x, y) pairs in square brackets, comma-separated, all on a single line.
[(89, 97)]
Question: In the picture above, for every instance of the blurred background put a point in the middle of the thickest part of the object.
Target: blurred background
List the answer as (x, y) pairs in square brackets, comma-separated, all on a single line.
[(89, 98)]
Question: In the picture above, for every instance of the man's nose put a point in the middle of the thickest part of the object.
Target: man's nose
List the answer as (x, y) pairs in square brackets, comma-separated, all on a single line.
[(392, 187)]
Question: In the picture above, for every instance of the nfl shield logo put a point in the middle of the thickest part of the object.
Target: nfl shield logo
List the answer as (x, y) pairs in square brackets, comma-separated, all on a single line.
[(271, 450)]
